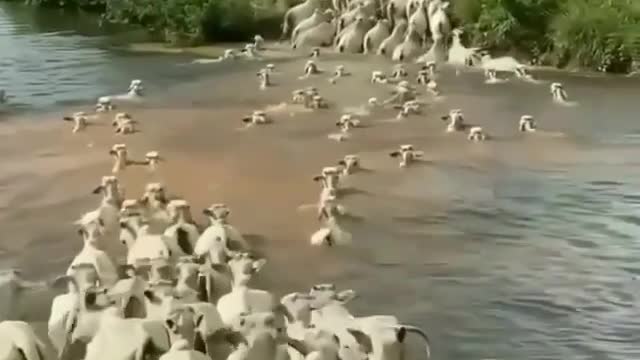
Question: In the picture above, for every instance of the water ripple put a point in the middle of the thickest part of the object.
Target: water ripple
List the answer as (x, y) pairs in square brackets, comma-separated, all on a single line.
[(47, 60)]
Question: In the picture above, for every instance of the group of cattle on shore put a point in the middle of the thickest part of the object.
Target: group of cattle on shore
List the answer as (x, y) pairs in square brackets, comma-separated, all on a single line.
[(399, 29)]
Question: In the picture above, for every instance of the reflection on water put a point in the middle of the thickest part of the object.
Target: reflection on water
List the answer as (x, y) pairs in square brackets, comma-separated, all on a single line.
[(51, 57)]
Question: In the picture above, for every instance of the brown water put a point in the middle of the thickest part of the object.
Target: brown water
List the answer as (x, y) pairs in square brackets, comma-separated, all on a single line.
[(523, 247)]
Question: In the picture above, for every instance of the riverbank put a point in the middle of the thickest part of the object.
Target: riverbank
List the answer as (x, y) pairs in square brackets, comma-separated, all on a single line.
[(586, 34), (282, 51), (274, 51)]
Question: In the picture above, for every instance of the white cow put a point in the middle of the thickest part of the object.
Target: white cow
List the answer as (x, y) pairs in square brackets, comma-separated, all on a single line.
[(154, 205), (260, 336), (82, 282), (382, 336), (92, 232), (407, 154), (331, 234), (183, 234), (135, 234), (218, 215), (19, 342), (242, 298)]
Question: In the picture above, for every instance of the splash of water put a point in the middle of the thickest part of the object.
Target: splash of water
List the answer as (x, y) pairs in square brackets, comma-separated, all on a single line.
[(361, 110)]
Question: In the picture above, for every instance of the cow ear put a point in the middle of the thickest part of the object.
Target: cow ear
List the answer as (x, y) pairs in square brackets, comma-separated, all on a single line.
[(199, 319), (346, 295), (199, 344), (149, 295), (299, 346), (258, 264), (183, 241), (207, 212), (401, 333), (171, 324), (285, 311)]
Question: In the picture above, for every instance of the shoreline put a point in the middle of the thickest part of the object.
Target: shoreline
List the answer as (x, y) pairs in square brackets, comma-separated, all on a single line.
[(274, 49), (277, 52), (214, 50), (467, 17)]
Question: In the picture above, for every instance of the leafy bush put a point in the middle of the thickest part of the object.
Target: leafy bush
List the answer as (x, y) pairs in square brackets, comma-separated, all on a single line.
[(507, 24), (195, 20), (235, 20), (599, 34), (77, 4)]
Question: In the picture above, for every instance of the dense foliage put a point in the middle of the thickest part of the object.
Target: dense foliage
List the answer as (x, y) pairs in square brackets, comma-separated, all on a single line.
[(196, 20), (98, 5), (187, 22), (597, 34)]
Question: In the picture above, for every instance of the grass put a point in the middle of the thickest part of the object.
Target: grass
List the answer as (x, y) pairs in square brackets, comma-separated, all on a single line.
[(595, 34)]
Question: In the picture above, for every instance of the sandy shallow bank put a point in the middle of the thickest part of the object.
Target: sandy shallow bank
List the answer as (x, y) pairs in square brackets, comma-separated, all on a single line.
[(263, 173)]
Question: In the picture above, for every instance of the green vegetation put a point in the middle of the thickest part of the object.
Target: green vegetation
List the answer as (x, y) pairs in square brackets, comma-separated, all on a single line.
[(94, 5), (188, 22), (595, 34), (195, 21)]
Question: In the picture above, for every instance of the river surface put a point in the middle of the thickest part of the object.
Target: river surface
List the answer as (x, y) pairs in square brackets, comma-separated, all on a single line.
[(50, 58), (525, 247)]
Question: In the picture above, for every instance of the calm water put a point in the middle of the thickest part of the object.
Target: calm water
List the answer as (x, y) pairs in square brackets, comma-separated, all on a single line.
[(51, 58), (514, 249)]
